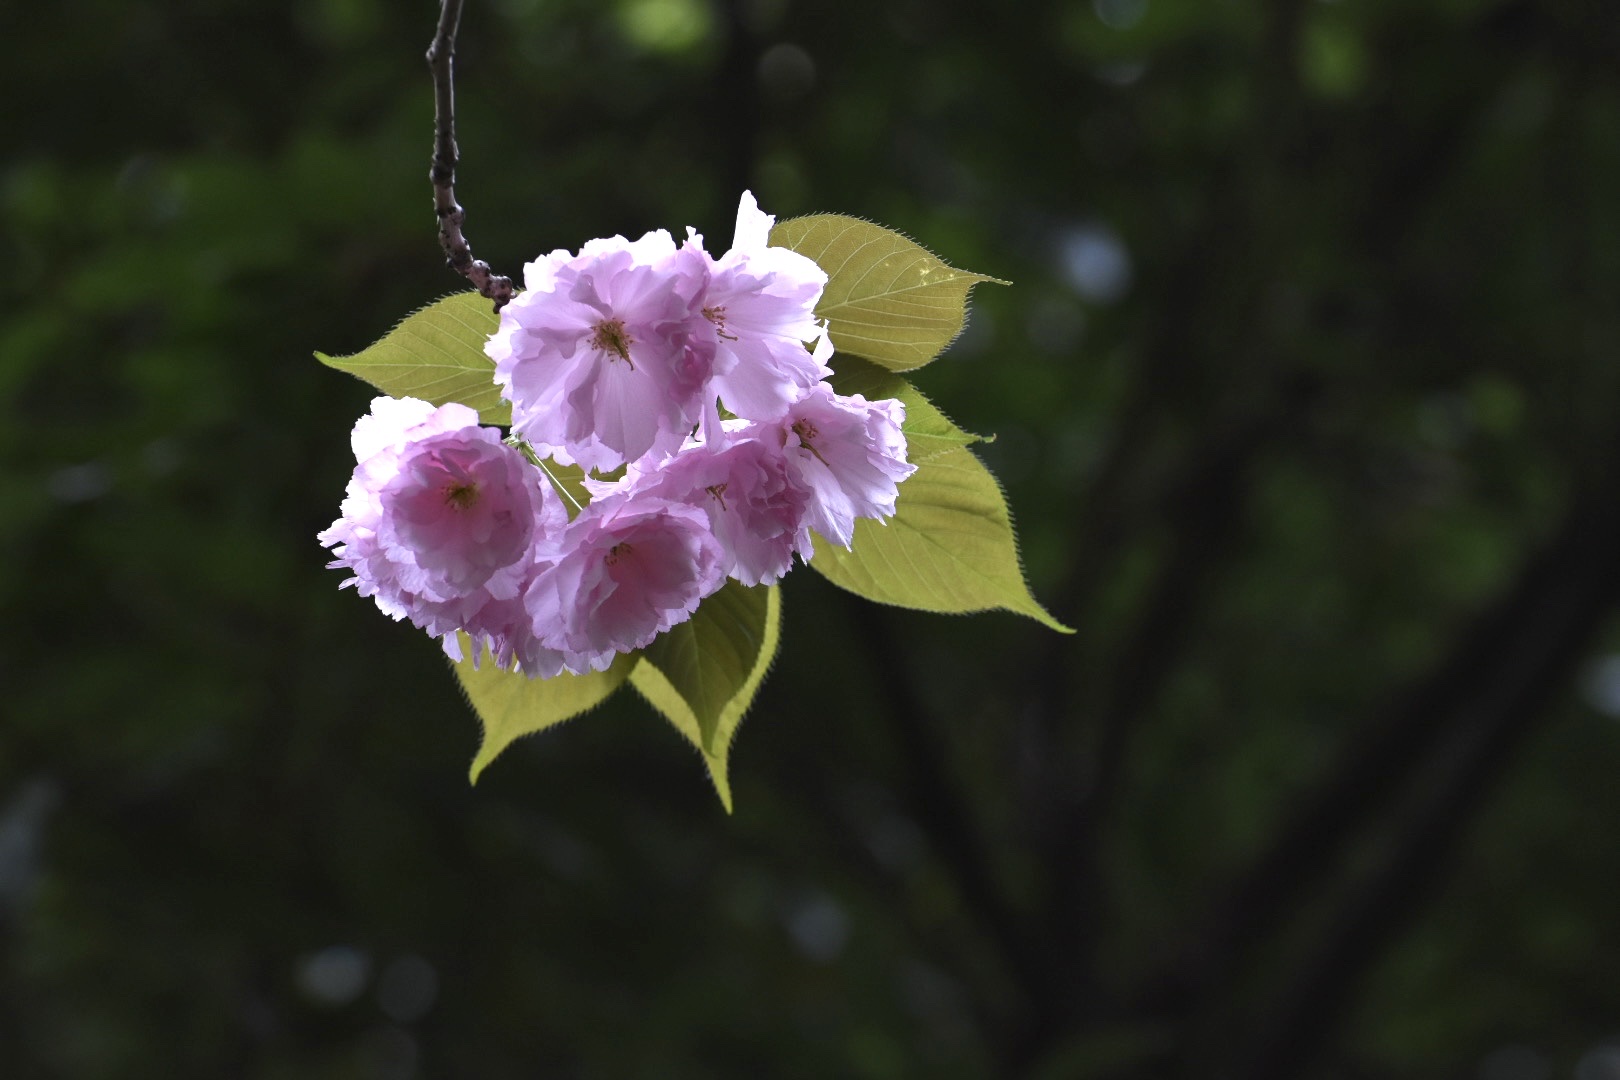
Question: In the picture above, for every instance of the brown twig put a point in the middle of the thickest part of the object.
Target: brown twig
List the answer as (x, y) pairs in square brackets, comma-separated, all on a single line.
[(441, 58)]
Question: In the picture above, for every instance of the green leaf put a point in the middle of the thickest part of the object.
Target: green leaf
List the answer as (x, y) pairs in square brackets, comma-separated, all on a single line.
[(436, 354), (510, 704), (929, 433), (887, 298), (703, 674), (949, 547), (569, 482)]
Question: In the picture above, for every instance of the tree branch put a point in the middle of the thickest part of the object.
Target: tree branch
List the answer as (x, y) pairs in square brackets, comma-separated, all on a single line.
[(1379, 762), (1379, 759), (1204, 520), (1493, 716), (936, 803), (441, 58)]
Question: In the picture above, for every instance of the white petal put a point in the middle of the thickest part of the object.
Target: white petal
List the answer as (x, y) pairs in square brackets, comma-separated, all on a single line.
[(753, 226)]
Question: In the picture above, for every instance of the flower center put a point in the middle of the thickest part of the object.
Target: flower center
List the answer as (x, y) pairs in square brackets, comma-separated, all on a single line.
[(461, 495), (806, 431), (719, 493), (610, 337), (617, 552), (717, 315)]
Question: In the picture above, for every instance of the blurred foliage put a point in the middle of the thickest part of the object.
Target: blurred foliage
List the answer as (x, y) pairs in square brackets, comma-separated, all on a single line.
[(1312, 347)]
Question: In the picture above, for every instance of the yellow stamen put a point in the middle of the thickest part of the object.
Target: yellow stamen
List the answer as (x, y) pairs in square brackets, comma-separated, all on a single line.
[(461, 496), (610, 337)]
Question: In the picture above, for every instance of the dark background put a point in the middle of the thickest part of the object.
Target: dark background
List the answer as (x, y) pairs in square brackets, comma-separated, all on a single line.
[(1309, 410)]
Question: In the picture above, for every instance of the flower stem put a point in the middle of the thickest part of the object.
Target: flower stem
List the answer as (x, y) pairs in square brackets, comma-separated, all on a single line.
[(441, 58)]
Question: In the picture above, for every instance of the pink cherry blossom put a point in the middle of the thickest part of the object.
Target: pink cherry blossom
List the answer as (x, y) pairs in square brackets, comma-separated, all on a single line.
[(741, 482), (849, 454), (439, 524), (504, 627), (598, 355), (624, 571), (759, 311), (459, 514)]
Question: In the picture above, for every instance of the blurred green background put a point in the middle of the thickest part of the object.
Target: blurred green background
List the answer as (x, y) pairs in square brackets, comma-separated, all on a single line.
[(1306, 396)]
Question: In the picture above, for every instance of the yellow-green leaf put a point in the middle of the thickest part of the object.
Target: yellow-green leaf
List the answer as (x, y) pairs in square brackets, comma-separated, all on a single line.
[(569, 482), (950, 546), (436, 354), (929, 433), (510, 704), (887, 299), (703, 674)]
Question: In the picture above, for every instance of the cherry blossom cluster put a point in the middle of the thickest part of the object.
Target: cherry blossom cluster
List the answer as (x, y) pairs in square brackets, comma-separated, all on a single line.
[(693, 392)]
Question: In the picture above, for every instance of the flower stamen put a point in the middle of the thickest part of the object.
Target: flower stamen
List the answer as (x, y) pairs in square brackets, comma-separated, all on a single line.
[(610, 337), (717, 315), (461, 496), (806, 431)]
